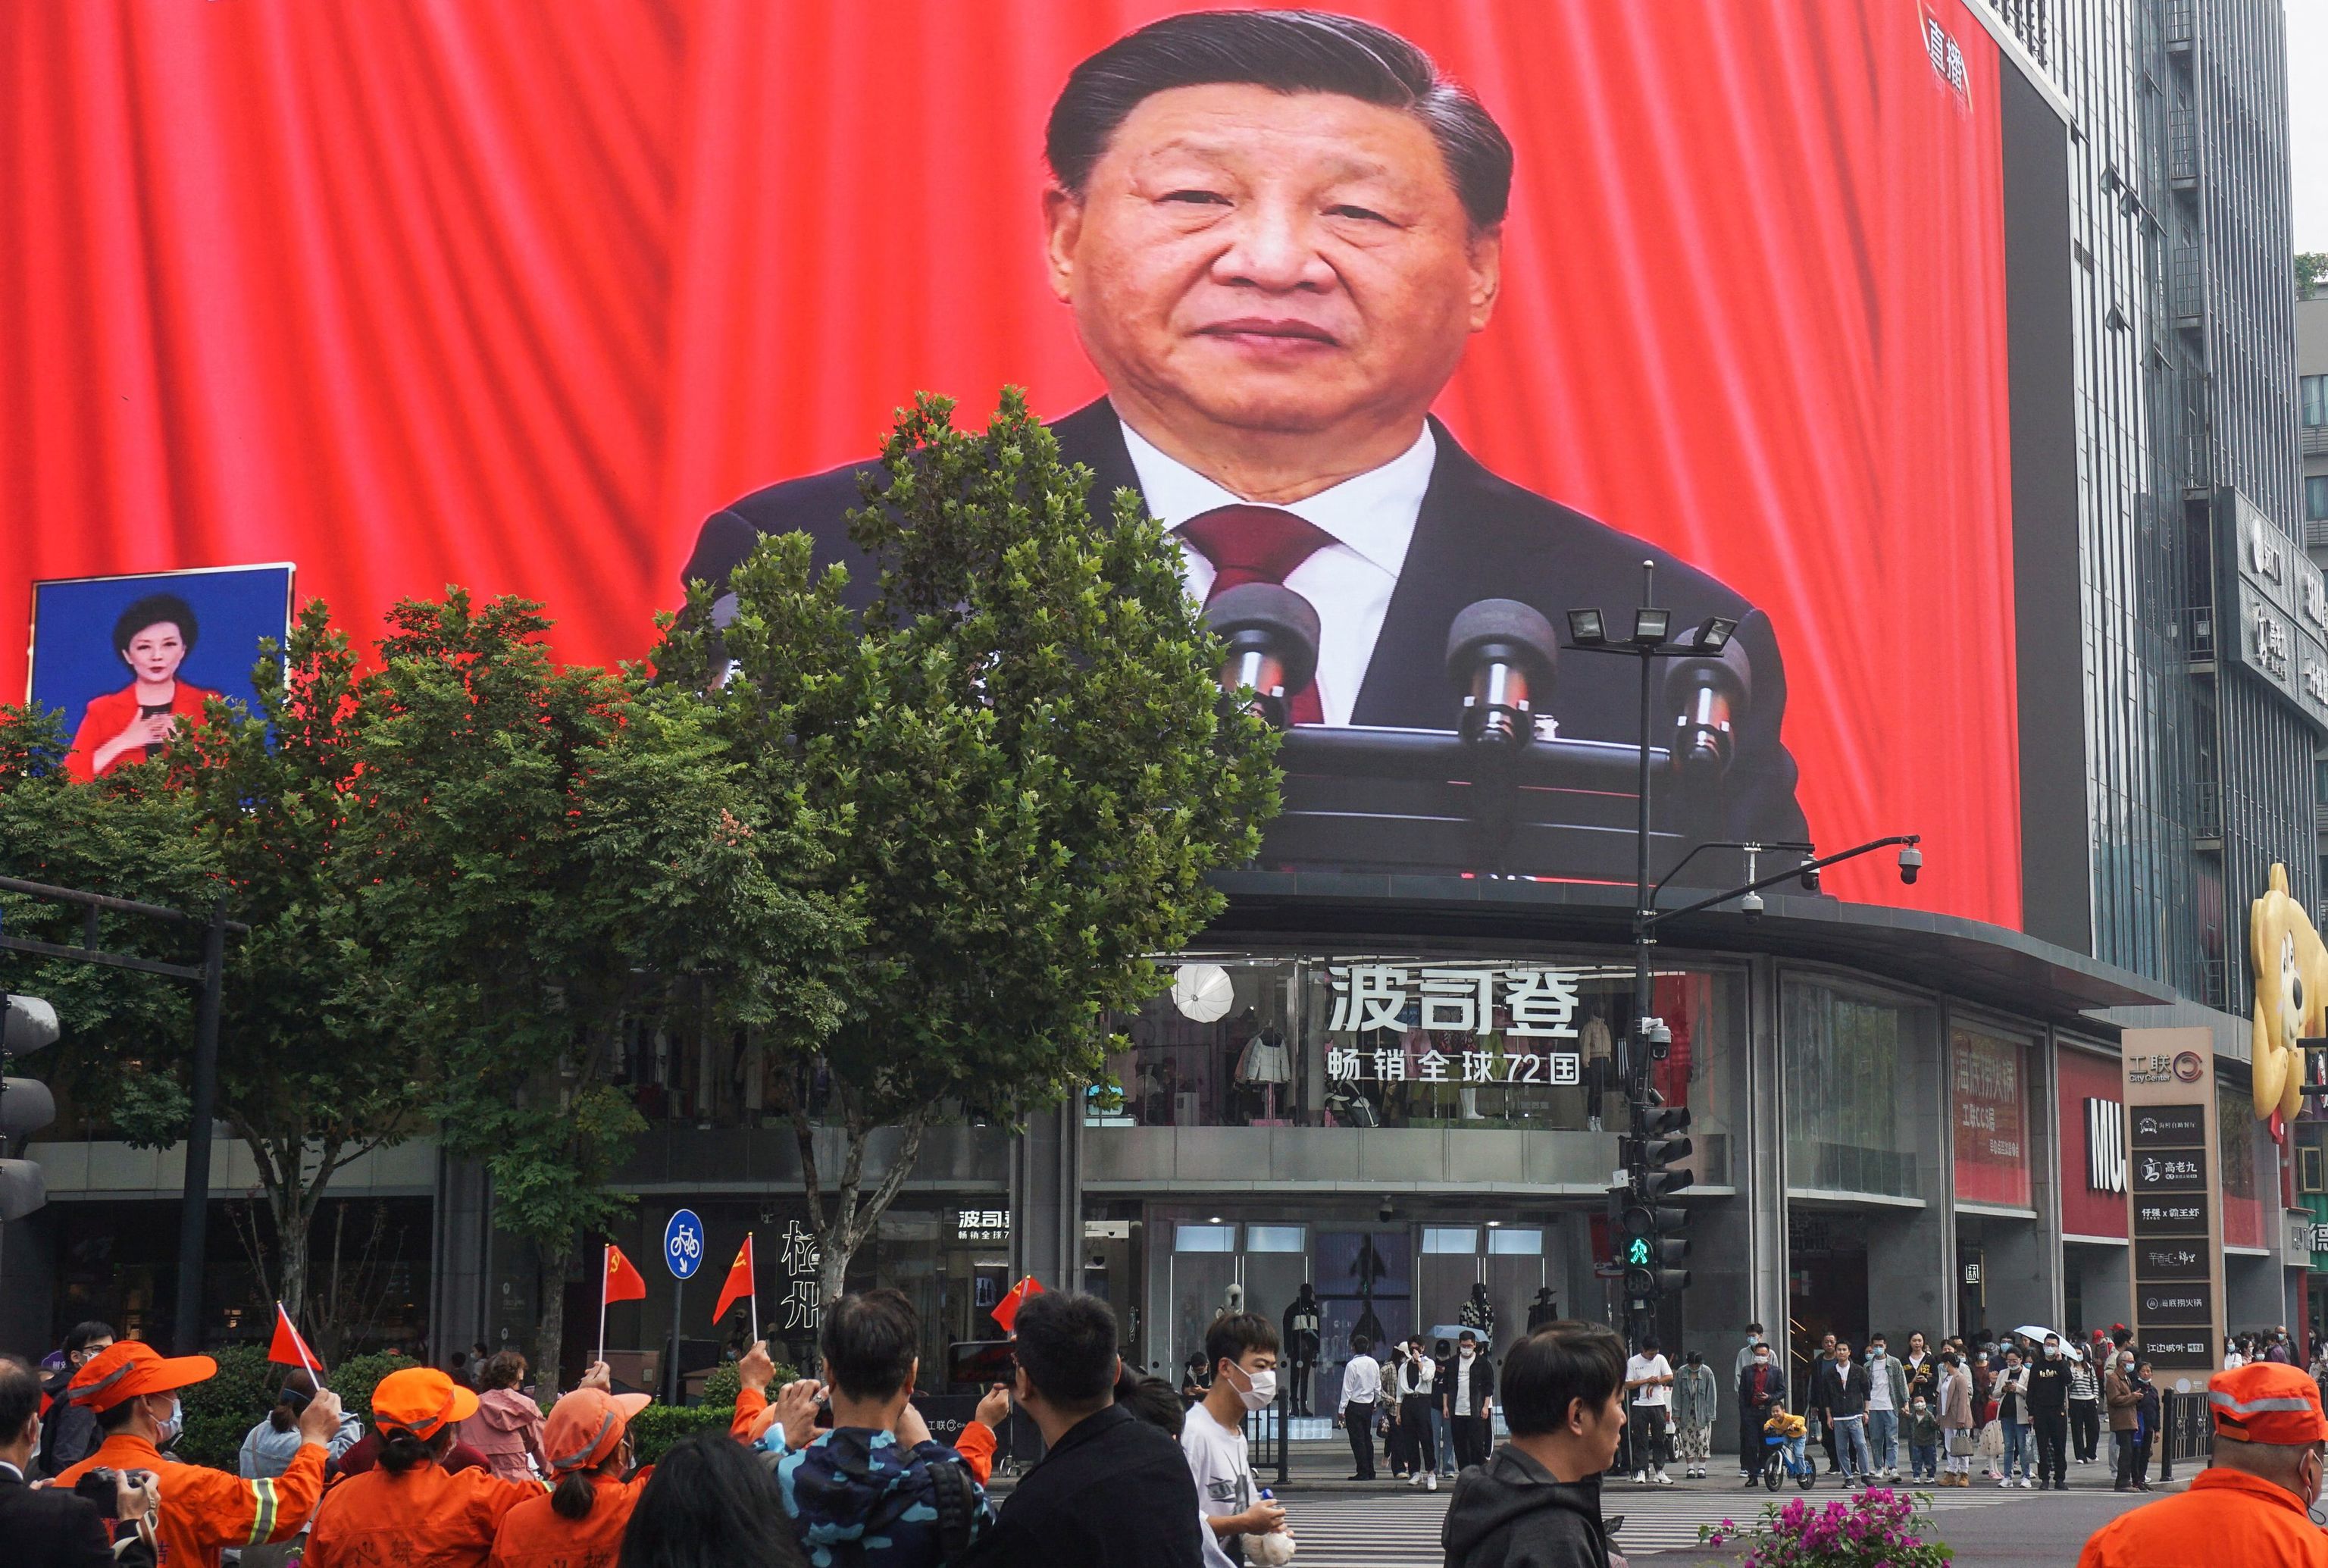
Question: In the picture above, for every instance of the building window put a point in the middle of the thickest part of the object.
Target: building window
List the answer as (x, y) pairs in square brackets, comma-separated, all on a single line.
[(2316, 400), (1527, 1241), (2307, 1167), (1441, 1238), (1204, 1238), (1276, 1238), (1856, 1067), (2315, 497)]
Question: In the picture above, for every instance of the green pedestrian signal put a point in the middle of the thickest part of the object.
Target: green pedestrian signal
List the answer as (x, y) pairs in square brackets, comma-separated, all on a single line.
[(1636, 1250)]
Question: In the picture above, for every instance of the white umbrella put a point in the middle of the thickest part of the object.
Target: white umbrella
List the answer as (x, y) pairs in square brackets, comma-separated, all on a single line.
[(2037, 1334)]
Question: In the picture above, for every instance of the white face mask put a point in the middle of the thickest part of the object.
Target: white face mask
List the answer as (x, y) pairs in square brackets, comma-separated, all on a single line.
[(2052, 1349), (167, 1432), (1467, 1353), (1259, 1390)]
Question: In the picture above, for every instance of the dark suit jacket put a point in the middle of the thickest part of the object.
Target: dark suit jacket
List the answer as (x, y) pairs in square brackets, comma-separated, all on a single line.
[(1477, 537), (1113, 1492), (50, 1528)]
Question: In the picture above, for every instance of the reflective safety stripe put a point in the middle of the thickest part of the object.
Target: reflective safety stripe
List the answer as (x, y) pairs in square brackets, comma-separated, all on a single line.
[(2217, 1396), (262, 1518), (87, 1392)]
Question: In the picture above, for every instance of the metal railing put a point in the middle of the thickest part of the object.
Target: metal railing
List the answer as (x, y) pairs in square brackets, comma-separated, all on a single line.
[(1267, 1430), (2186, 1430), (2313, 439), (2181, 22), (2197, 628)]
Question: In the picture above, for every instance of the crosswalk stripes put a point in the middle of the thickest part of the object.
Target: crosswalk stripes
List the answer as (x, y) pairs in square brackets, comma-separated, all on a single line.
[(1400, 1529)]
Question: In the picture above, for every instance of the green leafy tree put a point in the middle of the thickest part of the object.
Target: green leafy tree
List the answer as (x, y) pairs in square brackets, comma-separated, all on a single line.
[(310, 1078), (2311, 268), (1022, 771), (122, 835), (561, 857), (252, 805)]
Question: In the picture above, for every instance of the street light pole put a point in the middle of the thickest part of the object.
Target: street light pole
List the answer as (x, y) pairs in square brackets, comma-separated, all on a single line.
[(1653, 1251), (1634, 1068)]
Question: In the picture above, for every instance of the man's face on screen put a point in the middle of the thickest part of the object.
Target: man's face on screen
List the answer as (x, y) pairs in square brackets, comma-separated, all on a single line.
[(1254, 261)]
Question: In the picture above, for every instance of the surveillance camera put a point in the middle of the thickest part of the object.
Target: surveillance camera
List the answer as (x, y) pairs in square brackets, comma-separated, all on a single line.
[(1810, 879), (1911, 860), (1751, 905), (1385, 1209)]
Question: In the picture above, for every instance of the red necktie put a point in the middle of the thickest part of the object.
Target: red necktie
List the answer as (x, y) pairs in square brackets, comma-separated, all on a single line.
[(1259, 544)]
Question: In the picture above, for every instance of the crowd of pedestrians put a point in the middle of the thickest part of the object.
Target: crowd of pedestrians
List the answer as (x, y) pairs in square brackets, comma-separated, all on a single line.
[(843, 1470)]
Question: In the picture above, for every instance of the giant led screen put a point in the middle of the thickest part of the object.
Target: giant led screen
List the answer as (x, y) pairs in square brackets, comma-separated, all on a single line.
[(1430, 311)]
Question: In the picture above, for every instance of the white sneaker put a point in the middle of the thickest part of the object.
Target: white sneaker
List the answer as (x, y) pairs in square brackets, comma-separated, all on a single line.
[(2005, 1481), (1431, 1482), (1416, 1480), (1640, 1478), (1663, 1480)]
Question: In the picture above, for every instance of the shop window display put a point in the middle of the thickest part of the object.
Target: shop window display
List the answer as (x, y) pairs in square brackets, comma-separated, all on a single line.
[(1392, 1042)]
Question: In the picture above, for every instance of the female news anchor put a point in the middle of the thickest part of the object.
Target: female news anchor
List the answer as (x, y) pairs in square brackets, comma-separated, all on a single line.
[(152, 637)]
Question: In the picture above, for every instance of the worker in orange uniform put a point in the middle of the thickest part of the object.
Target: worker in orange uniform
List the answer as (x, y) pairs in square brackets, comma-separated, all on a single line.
[(580, 1524), (133, 1389), (2252, 1503), (407, 1509)]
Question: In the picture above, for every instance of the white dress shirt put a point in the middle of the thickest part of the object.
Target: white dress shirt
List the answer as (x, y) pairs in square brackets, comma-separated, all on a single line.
[(1361, 1381), (1371, 517)]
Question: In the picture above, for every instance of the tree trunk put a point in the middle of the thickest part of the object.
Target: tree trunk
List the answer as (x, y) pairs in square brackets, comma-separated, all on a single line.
[(849, 1223), (550, 1335)]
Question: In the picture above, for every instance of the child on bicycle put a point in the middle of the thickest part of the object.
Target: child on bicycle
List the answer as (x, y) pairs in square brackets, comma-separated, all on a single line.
[(1792, 1429)]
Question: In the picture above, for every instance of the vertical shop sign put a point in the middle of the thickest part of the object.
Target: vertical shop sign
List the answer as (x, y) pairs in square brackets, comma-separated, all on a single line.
[(2174, 1221)]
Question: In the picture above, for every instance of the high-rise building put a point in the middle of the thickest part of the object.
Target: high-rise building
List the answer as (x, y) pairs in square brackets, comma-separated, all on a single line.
[(2205, 689)]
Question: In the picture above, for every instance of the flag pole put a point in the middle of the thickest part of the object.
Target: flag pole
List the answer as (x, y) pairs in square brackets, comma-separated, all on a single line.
[(301, 1344), (752, 1252), (606, 1261)]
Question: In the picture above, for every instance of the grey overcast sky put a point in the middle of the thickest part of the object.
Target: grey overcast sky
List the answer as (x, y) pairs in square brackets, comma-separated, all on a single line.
[(2307, 114)]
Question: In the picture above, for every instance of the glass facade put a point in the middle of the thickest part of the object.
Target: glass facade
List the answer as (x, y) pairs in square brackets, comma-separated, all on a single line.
[(2183, 337), (1853, 1061), (1522, 1042), (1988, 1110)]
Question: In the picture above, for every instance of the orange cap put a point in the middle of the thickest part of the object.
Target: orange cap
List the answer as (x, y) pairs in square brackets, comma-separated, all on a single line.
[(2267, 1401), (421, 1401), (585, 1426), (129, 1367)]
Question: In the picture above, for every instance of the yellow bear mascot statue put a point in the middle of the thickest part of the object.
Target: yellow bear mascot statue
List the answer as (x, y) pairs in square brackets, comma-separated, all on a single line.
[(2291, 996)]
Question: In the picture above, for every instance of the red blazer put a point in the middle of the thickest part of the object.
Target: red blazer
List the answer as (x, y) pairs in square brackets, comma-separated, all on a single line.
[(110, 714)]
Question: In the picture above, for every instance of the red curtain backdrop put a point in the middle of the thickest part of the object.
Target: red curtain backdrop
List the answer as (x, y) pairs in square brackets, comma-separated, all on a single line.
[(511, 296)]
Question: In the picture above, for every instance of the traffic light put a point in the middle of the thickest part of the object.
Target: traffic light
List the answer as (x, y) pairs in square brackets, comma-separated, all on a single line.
[(31, 1025), (1652, 1250), (1661, 1142), (26, 1106), (1650, 1246)]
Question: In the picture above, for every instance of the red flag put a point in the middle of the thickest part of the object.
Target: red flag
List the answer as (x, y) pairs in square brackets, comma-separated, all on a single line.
[(739, 1283), (287, 1349), (623, 1282), (1006, 1310)]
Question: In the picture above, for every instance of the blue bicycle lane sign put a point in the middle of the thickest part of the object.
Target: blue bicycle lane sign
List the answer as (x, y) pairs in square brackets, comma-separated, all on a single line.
[(683, 1243)]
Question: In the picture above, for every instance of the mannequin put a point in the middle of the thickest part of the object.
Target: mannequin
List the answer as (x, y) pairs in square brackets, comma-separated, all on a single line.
[(1476, 1313), (1301, 1326), (1599, 1059), (1543, 1309), (1232, 1299), (1266, 1061)]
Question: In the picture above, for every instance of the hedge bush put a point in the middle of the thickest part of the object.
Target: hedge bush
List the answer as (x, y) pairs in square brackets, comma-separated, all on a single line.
[(219, 1411), (654, 1429)]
